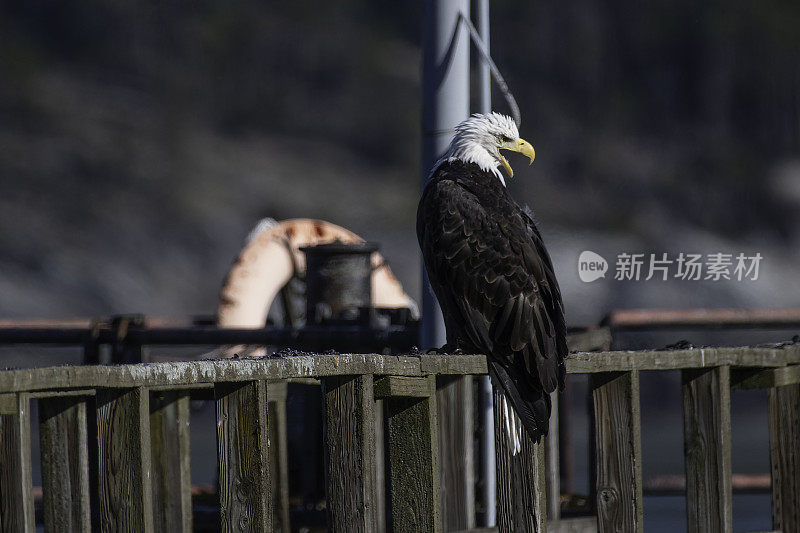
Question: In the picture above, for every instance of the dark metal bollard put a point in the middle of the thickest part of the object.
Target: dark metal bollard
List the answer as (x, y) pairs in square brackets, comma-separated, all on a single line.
[(338, 281), (338, 294)]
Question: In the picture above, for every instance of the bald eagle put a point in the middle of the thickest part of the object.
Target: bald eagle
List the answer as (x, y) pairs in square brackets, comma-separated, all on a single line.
[(491, 273)]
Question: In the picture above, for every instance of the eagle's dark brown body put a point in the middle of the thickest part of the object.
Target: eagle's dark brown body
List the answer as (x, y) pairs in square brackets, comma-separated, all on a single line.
[(495, 283)]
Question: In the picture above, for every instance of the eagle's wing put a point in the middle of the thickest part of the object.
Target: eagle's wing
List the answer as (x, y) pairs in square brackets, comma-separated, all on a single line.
[(495, 280)]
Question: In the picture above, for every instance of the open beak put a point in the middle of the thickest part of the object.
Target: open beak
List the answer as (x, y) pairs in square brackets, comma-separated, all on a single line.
[(520, 145)]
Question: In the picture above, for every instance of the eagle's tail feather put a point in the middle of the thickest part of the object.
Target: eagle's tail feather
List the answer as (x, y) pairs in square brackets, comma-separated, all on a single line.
[(513, 431), (531, 406)]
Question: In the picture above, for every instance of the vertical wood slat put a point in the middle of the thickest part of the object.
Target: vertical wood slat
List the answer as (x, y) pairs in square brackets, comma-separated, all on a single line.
[(455, 411), (278, 454), (243, 456), (414, 461), (380, 468), (171, 460), (566, 460), (707, 449), (784, 443), (16, 487), (618, 451), (552, 467), (123, 430), (350, 453), (93, 355), (65, 463), (521, 504)]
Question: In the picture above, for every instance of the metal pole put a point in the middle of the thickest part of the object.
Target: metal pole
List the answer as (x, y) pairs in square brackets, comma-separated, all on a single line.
[(487, 407), (445, 103), (484, 72)]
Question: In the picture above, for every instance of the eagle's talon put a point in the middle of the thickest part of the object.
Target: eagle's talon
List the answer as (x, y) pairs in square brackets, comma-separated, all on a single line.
[(447, 349)]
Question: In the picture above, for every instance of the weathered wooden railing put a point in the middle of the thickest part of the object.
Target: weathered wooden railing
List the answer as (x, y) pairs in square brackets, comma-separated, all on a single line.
[(141, 417)]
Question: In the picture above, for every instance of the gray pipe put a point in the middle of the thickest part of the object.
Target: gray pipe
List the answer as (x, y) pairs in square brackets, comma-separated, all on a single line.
[(445, 103)]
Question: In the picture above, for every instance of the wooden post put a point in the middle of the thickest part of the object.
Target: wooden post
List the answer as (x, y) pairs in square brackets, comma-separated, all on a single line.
[(16, 487), (243, 456), (456, 435), (413, 454), (618, 451), (521, 504), (171, 460), (278, 454), (93, 355), (707, 449), (784, 444), (65, 463), (552, 470), (350, 452), (566, 461), (123, 431), (380, 468)]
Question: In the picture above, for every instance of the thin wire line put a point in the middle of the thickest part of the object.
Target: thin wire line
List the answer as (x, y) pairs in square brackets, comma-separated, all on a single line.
[(498, 78)]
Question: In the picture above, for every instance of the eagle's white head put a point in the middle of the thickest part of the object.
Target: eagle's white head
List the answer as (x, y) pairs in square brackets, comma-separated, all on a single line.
[(479, 140)]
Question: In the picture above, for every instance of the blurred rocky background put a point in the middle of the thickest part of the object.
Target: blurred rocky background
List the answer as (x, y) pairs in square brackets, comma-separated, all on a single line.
[(141, 141)]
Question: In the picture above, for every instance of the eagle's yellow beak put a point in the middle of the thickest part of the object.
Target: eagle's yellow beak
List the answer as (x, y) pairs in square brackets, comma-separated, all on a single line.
[(520, 145)]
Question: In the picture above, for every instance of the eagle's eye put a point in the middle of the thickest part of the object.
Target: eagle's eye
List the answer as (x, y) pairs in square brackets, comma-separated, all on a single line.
[(504, 139)]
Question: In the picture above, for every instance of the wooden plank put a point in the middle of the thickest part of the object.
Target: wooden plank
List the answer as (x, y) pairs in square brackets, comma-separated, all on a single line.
[(401, 386), (123, 431), (660, 319), (16, 487), (84, 393), (278, 455), (764, 379), (350, 453), (707, 449), (171, 460), (624, 361), (414, 462), (521, 504), (94, 460), (566, 450), (380, 467), (322, 365), (243, 456), (784, 443), (454, 403), (618, 451), (451, 364), (211, 371), (552, 471), (65, 463)]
